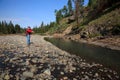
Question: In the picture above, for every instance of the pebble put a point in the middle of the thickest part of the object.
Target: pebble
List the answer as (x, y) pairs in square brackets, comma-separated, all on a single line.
[(65, 78), (47, 71), (96, 75), (27, 62), (74, 79), (33, 69), (7, 77), (28, 74), (62, 73)]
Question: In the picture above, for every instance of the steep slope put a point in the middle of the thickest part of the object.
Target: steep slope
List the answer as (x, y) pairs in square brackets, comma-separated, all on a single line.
[(106, 25)]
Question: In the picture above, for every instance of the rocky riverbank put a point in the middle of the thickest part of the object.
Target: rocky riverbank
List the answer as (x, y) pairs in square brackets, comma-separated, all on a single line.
[(44, 61), (112, 42)]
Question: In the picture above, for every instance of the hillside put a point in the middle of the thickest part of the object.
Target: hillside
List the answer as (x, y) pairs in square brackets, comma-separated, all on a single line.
[(106, 25)]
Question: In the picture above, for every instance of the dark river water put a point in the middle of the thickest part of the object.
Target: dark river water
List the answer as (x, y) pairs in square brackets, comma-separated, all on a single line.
[(91, 53)]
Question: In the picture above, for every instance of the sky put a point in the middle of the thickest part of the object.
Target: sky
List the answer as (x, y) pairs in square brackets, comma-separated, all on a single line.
[(30, 12)]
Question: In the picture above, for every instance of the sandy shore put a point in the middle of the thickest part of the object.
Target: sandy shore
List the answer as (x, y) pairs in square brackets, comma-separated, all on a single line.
[(42, 60)]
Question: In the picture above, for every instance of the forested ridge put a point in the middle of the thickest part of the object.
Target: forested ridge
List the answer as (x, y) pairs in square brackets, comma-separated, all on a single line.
[(102, 16)]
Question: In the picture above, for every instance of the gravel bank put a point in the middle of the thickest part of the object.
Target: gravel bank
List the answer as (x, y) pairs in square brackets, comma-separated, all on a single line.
[(44, 61)]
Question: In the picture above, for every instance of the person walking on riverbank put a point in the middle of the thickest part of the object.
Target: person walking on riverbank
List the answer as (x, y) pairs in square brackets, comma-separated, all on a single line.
[(29, 31)]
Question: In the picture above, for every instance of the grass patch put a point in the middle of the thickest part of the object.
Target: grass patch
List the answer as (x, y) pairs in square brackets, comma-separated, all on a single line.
[(94, 35)]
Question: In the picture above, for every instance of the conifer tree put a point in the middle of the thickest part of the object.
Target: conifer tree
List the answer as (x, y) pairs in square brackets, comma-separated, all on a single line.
[(65, 11), (78, 10), (17, 28), (4, 27), (12, 29), (0, 28), (70, 11), (59, 16)]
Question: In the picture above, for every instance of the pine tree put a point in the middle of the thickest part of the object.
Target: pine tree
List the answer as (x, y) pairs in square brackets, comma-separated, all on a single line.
[(0, 28), (17, 28), (58, 15), (70, 11), (78, 10), (4, 27), (42, 24), (92, 4), (65, 11), (12, 29)]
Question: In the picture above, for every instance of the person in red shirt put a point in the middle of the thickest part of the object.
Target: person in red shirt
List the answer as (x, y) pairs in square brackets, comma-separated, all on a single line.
[(29, 31)]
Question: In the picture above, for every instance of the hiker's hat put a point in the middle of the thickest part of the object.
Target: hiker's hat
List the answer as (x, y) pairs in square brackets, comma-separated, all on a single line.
[(28, 26)]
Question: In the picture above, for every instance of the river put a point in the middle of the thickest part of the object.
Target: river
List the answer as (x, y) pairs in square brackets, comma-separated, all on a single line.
[(91, 53)]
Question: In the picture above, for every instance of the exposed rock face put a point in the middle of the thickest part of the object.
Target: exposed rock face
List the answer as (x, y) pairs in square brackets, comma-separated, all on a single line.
[(71, 19), (44, 61)]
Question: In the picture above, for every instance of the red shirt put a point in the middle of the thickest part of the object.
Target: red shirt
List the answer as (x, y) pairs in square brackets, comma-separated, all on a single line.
[(28, 31)]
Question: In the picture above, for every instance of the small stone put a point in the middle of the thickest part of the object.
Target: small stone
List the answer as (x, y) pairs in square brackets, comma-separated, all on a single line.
[(11, 75), (22, 78), (47, 51), (54, 79), (86, 77), (13, 66), (58, 68), (23, 69), (27, 74), (74, 79), (18, 69), (71, 71), (96, 75), (7, 59), (109, 77), (47, 72), (82, 72), (62, 73), (7, 77), (117, 77), (33, 69), (65, 78), (17, 77), (34, 60), (2, 75), (27, 62)]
